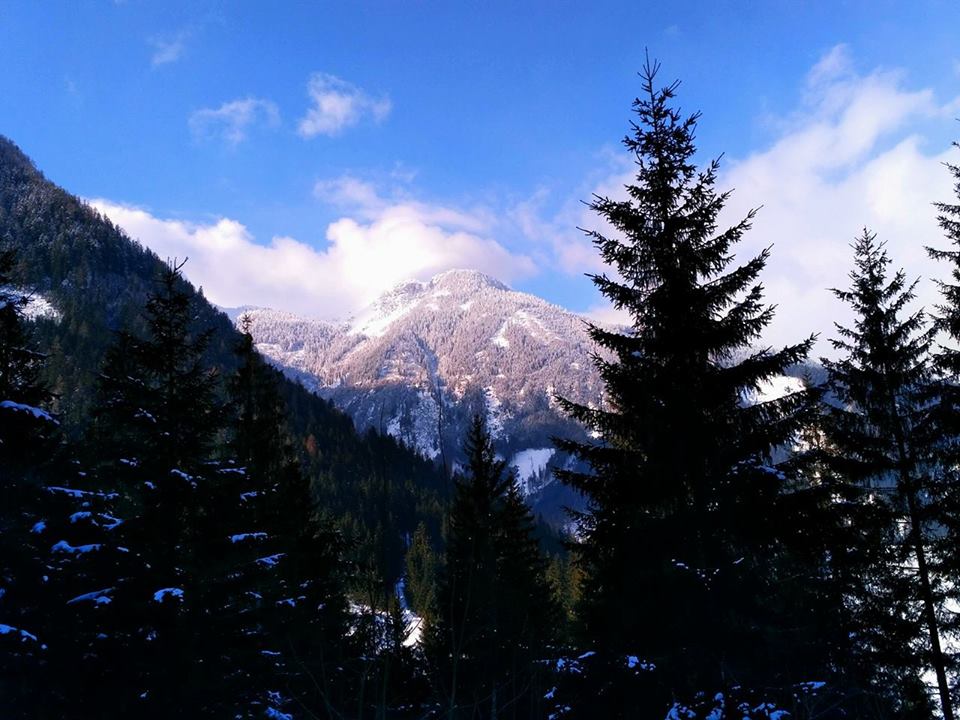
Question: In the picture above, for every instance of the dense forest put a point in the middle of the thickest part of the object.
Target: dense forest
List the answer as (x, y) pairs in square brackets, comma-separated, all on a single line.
[(186, 533)]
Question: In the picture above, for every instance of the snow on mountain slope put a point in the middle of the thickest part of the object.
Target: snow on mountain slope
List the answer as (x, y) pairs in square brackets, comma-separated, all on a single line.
[(37, 306), (425, 356)]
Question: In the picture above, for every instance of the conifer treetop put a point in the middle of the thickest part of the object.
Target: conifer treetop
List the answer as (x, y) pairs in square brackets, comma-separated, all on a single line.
[(665, 247)]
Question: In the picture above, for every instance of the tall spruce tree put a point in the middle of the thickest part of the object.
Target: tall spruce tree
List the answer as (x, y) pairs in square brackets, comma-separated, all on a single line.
[(948, 319), (157, 418), (680, 539), (495, 611), (947, 363), (884, 431), (289, 593), (847, 545)]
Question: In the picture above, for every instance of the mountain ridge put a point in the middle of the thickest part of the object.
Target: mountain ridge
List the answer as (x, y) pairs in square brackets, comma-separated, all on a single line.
[(426, 355)]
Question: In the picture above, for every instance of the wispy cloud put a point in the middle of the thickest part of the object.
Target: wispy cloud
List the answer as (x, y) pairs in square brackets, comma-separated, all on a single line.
[(368, 200), (168, 49), (232, 120), (337, 105)]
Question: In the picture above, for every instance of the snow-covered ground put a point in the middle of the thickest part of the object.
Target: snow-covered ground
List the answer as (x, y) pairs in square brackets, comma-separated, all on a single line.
[(37, 305), (529, 464), (775, 388)]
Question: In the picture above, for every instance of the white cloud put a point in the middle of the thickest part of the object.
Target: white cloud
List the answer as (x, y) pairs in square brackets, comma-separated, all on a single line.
[(362, 258), (337, 105), (606, 314), (834, 64), (168, 49), (852, 154), (232, 120)]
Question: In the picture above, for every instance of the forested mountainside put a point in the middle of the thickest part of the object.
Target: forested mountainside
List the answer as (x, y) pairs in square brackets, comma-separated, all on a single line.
[(94, 280), (426, 356), (422, 359)]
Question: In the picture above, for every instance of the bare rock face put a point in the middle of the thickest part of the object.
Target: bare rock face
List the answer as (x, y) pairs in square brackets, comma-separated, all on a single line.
[(425, 356)]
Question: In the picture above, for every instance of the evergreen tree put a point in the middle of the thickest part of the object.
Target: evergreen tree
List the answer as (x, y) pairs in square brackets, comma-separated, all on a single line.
[(421, 578), (681, 536), (58, 555), (295, 610), (27, 433), (843, 556), (563, 574), (24, 425), (157, 419), (495, 612), (883, 429), (948, 319), (947, 363)]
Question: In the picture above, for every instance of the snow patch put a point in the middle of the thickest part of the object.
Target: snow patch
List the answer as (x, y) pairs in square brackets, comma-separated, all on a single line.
[(413, 621), (495, 414), (186, 477), (500, 339), (28, 409), (635, 663), (64, 547), (240, 537), (529, 464), (269, 560), (97, 597), (774, 389), (33, 305), (39, 307), (10, 630), (160, 594), (375, 322)]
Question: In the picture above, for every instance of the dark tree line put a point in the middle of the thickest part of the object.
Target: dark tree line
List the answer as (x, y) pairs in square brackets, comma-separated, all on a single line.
[(176, 559)]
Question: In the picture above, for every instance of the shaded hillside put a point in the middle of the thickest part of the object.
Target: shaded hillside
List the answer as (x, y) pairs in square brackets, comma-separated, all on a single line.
[(96, 280), (426, 356)]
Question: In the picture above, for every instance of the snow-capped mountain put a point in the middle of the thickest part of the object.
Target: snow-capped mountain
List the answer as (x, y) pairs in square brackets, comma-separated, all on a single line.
[(425, 356)]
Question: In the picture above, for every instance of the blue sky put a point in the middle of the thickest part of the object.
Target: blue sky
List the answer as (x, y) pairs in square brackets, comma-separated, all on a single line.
[(309, 155)]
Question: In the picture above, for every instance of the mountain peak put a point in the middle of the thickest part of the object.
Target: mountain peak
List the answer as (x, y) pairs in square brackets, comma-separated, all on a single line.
[(464, 279)]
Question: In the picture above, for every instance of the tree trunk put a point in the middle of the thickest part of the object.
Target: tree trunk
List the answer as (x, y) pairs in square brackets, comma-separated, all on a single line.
[(929, 611), (926, 592)]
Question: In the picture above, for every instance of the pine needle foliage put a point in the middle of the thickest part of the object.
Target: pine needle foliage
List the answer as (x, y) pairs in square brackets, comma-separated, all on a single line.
[(680, 536), (495, 611), (887, 441)]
